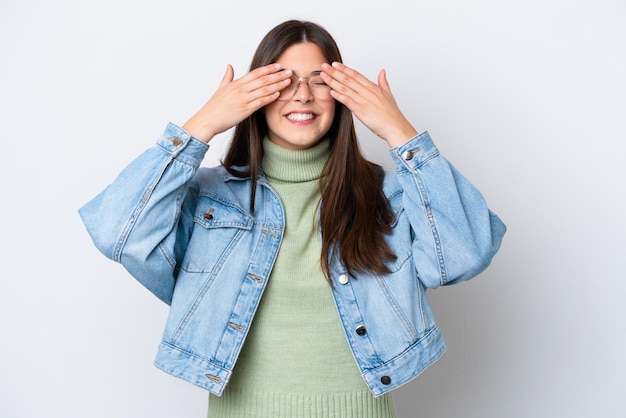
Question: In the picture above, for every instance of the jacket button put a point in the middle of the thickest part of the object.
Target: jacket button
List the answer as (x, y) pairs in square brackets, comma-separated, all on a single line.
[(409, 154), (343, 279), (385, 380), (361, 330), (175, 141)]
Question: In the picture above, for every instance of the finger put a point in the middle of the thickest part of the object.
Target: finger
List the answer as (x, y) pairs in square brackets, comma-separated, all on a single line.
[(342, 98), (350, 76), (354, 87), (278, 77), (263, 101), (262, 85), (269, 86), (338, 82), (267, 80), (262, 72), (337, 78)]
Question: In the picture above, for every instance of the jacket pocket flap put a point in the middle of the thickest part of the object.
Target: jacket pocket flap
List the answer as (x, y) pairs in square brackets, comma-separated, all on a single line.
[(214, 213)]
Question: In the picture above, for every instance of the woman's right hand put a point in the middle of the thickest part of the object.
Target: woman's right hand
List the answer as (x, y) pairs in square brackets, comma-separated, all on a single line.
[(235, 100)]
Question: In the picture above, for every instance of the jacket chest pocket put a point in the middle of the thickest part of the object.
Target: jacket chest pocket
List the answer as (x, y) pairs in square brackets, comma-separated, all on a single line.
[(219, 228)]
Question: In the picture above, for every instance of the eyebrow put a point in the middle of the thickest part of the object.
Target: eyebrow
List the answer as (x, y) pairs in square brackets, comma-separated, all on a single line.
[(314, 72)]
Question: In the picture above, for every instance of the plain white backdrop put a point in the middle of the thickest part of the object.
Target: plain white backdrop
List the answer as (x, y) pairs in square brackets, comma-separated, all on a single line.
[(527, 98)]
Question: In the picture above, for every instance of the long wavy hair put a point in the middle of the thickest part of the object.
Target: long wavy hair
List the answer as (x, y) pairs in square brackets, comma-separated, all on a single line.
[(354, 213)]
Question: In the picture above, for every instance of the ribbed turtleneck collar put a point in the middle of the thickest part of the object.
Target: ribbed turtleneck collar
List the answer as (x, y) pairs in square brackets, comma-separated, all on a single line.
[(294, 166)]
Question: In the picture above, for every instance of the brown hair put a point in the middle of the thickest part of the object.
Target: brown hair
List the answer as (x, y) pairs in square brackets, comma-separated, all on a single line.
[(354, 214)]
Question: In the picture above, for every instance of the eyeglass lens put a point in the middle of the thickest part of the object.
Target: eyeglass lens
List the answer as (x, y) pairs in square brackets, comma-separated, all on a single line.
[(315, 84)]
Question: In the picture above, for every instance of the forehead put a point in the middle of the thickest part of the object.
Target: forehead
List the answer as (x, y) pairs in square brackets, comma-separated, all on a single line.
[(302, 58)]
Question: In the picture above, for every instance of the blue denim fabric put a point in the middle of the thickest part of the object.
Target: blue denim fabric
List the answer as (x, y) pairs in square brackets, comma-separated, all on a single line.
[(186, 233)]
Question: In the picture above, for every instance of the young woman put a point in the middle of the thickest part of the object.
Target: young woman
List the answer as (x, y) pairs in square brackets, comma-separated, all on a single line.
[(296, 271)]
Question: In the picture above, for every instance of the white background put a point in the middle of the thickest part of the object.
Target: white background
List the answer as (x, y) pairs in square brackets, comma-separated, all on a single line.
[(527, 98)]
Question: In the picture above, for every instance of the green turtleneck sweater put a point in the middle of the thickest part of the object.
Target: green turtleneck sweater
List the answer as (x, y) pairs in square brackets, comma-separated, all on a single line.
[(296, 361)]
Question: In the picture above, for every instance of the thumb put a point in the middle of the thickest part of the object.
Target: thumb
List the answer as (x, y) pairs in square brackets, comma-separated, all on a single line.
[(228, 76), (382, 80)]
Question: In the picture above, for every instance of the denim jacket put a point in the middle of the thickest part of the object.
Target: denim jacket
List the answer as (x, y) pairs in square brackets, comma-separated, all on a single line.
[(187, 234)]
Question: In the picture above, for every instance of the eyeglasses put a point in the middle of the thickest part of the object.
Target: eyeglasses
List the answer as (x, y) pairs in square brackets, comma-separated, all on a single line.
[(317, 87)]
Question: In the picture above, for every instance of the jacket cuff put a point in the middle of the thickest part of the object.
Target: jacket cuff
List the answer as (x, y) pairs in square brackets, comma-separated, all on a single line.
[(181, 145), (414, 153)]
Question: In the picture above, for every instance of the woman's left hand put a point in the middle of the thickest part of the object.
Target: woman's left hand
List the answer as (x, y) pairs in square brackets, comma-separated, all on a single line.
[(373, 104)]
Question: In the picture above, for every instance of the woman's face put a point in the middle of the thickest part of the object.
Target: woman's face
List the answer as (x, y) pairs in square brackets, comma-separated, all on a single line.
[(301, 121)]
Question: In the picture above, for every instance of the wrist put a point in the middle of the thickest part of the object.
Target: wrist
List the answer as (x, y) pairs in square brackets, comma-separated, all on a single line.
[(198, 131), (401, 136)]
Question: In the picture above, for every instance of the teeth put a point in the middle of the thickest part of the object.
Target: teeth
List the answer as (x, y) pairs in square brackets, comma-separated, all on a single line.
[(300, 116)]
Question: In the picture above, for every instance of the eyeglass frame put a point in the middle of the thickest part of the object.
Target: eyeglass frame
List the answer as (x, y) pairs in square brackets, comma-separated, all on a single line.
[(308, 86)]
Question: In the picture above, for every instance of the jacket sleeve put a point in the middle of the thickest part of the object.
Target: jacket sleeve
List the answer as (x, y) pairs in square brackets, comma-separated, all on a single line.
[(137, 220), (455, 235)]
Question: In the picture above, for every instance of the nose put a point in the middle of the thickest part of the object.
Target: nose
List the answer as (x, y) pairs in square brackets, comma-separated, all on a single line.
[(303, 92)]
